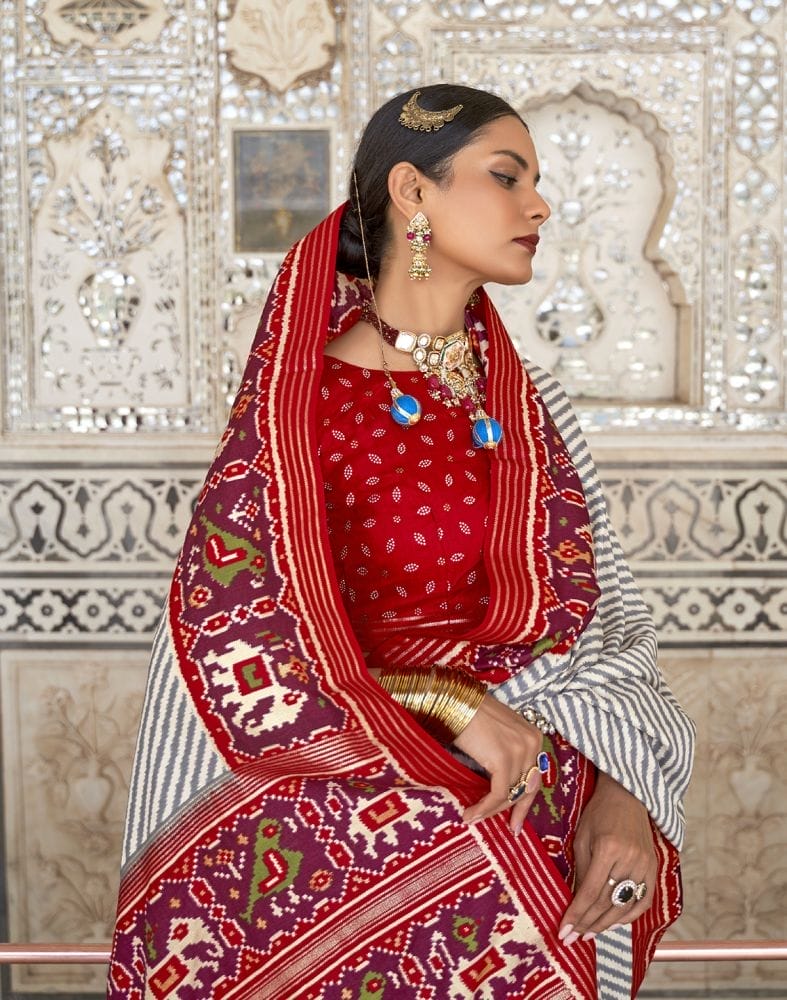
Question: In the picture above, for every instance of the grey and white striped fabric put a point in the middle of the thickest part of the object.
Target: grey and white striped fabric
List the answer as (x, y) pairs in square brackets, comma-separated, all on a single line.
[(607, 696), (175, 758)]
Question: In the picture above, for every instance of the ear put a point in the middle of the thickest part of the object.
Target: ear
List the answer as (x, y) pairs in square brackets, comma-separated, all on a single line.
[(405, 188)]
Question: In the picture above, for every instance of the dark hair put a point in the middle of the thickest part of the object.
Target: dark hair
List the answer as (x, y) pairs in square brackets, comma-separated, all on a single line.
[(386, 142)]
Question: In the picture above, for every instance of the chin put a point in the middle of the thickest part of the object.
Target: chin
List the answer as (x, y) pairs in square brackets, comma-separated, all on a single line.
[(521, 278)]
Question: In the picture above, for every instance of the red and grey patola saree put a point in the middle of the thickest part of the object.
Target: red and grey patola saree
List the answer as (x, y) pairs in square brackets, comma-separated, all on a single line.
[(292, 833)]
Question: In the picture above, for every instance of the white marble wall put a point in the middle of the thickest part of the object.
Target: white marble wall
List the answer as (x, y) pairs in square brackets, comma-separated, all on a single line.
[(659, 132)]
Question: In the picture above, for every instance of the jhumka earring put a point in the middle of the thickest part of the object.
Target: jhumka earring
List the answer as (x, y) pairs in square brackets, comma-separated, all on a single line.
[(419, 234)]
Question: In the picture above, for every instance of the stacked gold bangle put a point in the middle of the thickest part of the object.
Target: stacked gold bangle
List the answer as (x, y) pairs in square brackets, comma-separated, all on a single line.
[(442, 700)]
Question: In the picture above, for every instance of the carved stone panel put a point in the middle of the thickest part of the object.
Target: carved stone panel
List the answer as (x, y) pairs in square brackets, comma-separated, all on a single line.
[(281, 41), (69, 724), (734, 875)]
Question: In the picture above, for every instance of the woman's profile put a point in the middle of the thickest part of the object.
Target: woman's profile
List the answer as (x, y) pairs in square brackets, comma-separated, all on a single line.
[(405, 735)]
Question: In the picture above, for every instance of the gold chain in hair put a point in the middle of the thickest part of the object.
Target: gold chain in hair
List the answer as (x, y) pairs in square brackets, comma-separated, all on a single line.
[(415, 117), (386, 369)]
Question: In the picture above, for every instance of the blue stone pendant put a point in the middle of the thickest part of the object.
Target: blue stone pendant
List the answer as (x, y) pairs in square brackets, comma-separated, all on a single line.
[(405, 410), (487, 433)]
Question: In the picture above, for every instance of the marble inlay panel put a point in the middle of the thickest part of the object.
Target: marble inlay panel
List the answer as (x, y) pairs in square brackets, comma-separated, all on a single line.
[(61, 515), (731, 611), (109, 254), (111, 24), (69, 724), (718, 514), (709, 550), (72, 613), (735, 880)]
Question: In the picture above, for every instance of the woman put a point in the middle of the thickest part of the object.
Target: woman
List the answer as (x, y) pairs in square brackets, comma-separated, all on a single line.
[(404, 733)]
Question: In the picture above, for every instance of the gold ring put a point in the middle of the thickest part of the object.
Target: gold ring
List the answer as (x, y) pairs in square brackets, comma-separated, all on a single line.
[(519, 788)]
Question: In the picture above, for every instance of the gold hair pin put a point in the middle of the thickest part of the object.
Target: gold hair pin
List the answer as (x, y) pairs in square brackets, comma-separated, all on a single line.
[(415, 117)]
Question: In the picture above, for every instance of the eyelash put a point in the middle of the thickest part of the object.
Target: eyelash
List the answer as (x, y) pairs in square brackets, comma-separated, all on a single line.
[(504, 179)]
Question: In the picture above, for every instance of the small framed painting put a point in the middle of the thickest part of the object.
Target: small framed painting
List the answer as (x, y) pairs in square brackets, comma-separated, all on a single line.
[(281, 186)]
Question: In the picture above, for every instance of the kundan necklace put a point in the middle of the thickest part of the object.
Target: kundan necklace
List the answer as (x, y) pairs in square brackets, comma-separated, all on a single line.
[(452, 375)]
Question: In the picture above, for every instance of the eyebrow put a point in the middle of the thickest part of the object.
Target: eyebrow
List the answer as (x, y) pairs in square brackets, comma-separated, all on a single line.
[(519, 159)]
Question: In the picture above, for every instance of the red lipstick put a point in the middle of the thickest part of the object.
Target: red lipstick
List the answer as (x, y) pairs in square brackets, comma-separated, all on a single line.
[(531, 242)]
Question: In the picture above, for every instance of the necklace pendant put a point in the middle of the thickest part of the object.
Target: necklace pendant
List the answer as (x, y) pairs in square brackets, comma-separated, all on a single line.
[(405, 410), (487, 433)]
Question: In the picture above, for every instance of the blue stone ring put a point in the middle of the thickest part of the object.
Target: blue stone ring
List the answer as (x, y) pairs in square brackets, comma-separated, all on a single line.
[(519, 788)]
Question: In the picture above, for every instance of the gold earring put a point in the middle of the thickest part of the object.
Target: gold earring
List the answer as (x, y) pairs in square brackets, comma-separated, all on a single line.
[(419, 234)]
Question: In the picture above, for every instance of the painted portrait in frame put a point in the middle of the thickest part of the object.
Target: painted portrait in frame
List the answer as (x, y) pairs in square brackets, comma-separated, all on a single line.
[(281, 186)]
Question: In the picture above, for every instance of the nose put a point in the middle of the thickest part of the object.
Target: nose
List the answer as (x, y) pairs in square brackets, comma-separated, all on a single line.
[(537, 208)]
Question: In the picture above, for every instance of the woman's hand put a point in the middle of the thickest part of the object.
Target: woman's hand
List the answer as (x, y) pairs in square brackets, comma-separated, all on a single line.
[(613, 842), (506, 746)]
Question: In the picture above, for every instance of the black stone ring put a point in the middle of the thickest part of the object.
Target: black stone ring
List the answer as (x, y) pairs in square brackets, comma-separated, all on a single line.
[(627, 889)]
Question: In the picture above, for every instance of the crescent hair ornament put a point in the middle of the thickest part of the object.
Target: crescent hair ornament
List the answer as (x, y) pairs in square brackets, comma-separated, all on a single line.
[(420, 120)]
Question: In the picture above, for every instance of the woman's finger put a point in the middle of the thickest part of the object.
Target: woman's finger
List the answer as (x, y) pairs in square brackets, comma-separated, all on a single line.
[(620, 900), (516, 795)]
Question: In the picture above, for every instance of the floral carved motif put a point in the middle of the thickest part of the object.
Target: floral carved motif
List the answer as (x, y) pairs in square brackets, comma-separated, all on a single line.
[(109, 256), (281, 42)]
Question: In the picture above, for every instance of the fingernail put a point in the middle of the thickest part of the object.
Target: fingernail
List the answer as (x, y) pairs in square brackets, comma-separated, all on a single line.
[(589, 936), (517, 829), (565, 931), (614, 927), (573, 936)]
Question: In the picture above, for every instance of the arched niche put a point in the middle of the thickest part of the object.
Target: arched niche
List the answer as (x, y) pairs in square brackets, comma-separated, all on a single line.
[(605, 311)]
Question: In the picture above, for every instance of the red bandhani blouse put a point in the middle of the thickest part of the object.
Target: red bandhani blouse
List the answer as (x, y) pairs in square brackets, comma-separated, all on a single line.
[(407, 512)]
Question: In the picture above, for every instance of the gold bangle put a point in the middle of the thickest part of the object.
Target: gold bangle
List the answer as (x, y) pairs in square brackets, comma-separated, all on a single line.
[(442, 700)]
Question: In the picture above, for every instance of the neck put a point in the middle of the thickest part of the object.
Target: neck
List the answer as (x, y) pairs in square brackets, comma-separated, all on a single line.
[(431, 306)]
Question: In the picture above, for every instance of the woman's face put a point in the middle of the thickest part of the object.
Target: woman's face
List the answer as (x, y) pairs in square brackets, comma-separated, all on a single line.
[(484, 218)]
